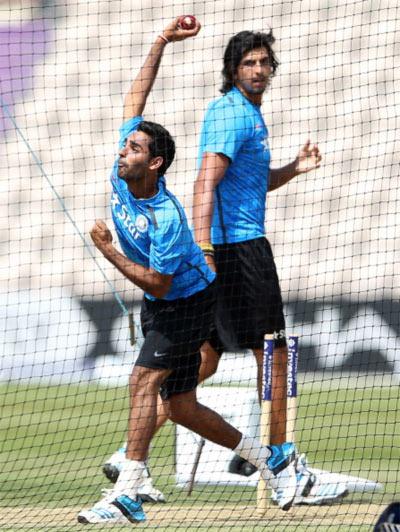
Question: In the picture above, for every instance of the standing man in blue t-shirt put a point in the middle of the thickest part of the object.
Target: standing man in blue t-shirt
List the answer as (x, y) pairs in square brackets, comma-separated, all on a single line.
[(161, 257), (229, 209), (229, 217)]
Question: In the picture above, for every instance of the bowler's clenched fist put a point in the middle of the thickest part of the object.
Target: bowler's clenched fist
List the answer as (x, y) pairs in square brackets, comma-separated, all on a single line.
[(101, 235)]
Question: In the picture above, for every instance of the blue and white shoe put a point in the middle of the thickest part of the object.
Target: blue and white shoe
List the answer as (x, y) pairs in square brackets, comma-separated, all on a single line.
[(282, 465), (281, 456), (312, 489), (131, 509), (113, 508), (147, 491), (321, 492)]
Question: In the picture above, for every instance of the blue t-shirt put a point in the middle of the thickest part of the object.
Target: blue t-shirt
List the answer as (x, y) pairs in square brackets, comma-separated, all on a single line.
[(154, 232), (235, 127)]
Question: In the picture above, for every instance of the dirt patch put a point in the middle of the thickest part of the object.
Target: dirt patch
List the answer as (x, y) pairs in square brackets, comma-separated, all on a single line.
[(207, 516)]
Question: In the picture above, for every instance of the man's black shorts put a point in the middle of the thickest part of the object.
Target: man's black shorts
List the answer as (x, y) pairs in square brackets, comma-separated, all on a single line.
[(173, 333), (249, 300)]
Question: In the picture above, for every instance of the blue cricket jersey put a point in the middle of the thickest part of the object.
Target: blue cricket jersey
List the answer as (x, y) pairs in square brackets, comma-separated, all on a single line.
[(154, 232), (235, 127)]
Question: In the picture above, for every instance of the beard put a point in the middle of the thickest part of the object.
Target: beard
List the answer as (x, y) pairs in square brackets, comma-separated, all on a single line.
[(128, 173), (250, 88)]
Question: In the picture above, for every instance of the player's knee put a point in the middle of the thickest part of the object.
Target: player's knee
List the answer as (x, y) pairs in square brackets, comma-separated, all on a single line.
[(207, 369), (146, 378), (209, 362)]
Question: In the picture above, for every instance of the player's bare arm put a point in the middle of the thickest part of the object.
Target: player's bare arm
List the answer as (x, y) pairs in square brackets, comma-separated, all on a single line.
[(149, 280), (136, 98), (308, 158), (212, 170)]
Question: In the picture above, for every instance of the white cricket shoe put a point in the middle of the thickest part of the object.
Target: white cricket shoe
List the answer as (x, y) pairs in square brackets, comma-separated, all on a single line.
[(113, 508), (282, 465), (148, 492), (310, 489)]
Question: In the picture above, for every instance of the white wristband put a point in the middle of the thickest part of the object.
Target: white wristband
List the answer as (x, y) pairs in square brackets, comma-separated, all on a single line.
[(163, 37)]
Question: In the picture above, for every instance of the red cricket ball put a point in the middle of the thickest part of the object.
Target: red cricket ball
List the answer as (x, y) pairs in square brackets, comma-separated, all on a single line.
[(187, 22)]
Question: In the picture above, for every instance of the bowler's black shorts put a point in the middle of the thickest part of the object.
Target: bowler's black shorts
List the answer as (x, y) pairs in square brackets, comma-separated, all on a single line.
[(173, 333), (249, 300)]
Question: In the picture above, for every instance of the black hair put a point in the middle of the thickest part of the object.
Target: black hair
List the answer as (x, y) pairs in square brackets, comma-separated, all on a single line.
[(161, 145), (238, 46)]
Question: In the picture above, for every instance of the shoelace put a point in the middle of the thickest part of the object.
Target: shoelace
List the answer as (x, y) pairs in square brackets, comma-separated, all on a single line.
[(302, 464), (108, 495)]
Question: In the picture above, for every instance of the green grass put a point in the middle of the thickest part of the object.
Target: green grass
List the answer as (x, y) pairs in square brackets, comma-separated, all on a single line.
[(53, 441), (356, 430)]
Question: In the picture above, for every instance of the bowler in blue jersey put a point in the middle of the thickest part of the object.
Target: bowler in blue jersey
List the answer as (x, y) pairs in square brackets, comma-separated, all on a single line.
[(160, 256), (153, 231)]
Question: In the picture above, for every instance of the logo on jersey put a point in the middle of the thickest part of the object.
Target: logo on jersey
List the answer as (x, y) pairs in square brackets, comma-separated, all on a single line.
[(141, 223), (136, 228)]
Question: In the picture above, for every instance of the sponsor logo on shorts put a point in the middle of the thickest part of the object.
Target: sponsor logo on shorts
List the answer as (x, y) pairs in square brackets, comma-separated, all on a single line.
[(168, 309)]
